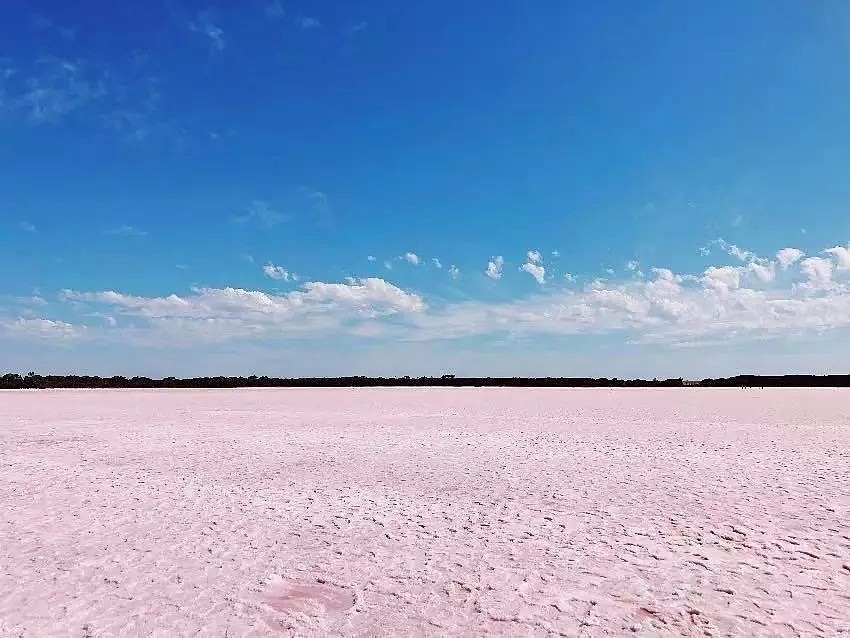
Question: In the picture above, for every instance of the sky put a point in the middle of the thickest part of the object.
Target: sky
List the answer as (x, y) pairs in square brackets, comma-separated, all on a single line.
[(330, 188)]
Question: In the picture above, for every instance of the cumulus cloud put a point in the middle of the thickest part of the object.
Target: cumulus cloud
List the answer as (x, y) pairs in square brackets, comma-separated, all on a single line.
[(371, 258), (722, 302), (411, 258), (535, 270), (454, 272), (494, 267), (788, 257), (41, 329), (436, 262), (722, 279), (279, 272), (534, 256), (228, 313), (841, 254), (817, 270)]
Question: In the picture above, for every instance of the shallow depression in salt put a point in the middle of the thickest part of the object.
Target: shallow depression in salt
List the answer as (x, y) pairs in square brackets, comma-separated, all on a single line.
[(523, 512)]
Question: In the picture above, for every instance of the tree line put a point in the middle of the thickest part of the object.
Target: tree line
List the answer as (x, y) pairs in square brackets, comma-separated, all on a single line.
[(31, 380)]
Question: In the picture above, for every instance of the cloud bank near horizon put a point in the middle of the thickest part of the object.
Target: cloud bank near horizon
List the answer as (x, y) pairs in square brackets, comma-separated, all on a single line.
[(754, 298)]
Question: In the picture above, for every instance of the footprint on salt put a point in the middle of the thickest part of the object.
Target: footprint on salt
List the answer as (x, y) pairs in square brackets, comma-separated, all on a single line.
[(312, 599)]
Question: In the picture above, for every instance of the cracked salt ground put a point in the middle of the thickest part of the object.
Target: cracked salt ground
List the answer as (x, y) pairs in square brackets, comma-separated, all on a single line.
[(518, 512)]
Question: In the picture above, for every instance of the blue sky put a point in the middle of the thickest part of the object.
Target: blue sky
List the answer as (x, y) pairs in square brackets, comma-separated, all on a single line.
[(612, 188)]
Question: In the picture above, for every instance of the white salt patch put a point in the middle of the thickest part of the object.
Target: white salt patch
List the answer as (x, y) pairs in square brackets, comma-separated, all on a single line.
[(425, 511)]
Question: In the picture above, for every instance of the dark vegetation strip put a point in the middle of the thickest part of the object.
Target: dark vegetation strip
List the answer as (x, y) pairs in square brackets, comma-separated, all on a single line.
[(38, 381)]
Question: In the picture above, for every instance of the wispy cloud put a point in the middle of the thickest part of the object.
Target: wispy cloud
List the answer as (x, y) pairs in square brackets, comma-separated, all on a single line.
[(454, 272), (43, 23), (27, 227), (125, 231), (306, 23), (321, 208), (55, 88), (436, 261), (357, 26), (260, 212), (215, 35), (411, 258), (274, 9)]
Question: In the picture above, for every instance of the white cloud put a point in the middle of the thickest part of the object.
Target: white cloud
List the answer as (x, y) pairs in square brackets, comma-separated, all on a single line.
[(735, 251), (125, 231), (454, 272), (556, 253), (279, 272), (817, 270), (568, 276), (723, 303), (371, 258), (226, 313), (27, 227), (841, 254), (632, 265), (358, 26), (534, 256), (787, 257), (722, 279), (674, 309), (41, 329), (411, 258), (388, 265), (535, 270), (763, 271), (494, 267), (436, 262)]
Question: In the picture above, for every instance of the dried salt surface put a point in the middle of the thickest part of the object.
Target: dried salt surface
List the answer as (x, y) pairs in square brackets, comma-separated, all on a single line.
[(522, 512)]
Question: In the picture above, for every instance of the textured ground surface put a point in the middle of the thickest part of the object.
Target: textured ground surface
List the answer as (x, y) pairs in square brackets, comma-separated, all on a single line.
[(425, 511)]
